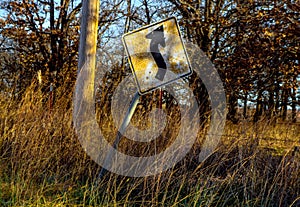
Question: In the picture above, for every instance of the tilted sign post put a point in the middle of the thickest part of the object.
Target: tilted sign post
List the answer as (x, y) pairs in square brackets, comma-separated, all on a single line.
[(157, 57)]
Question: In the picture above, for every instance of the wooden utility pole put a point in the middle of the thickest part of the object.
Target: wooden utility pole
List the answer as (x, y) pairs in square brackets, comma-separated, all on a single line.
[(84, 99), (88, 44), (88, 33)]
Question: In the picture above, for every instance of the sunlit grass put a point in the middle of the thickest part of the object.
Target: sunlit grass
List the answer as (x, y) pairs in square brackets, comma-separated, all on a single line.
[(43, 164)]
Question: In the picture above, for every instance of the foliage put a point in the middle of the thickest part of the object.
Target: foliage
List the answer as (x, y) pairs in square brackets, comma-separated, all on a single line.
[(253, 44), (42, 39), (39, 39)]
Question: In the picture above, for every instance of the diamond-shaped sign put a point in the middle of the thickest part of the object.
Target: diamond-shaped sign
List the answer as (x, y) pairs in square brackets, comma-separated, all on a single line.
[(156, 54)]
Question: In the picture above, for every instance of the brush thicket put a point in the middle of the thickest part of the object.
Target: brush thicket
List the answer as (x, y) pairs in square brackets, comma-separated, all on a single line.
[(43, 164)]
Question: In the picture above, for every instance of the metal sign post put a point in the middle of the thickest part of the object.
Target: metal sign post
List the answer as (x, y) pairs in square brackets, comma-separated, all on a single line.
[(121, 130)]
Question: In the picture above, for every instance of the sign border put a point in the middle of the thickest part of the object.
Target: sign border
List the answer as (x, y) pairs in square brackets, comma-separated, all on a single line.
[(130, 62)]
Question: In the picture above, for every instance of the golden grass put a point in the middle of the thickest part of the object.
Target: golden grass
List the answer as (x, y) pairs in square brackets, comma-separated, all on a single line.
[(43, 164)]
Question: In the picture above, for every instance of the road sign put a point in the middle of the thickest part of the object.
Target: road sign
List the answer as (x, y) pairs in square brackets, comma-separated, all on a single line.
[(156, 54)]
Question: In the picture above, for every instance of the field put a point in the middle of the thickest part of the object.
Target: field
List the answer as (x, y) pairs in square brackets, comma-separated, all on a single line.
[(43, 164)]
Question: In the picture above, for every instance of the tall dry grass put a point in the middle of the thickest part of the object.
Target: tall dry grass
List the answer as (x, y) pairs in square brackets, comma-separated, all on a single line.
[(43, 164)]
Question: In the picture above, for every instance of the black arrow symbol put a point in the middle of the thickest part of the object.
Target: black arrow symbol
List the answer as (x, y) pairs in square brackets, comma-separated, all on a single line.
[(157, 38)]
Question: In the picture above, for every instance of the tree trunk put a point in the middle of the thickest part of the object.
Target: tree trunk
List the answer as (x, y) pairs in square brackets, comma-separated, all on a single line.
[(258, 111), (232, 107), (285, 97), (271, 105), (53, 38), (245, 105), (294, 102)]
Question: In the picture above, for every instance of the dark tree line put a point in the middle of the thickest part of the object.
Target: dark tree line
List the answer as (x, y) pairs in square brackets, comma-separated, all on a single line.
[(253, 44)]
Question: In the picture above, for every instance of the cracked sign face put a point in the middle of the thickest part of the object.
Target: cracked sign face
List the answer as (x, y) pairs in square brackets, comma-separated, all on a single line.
[(156, 54)]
